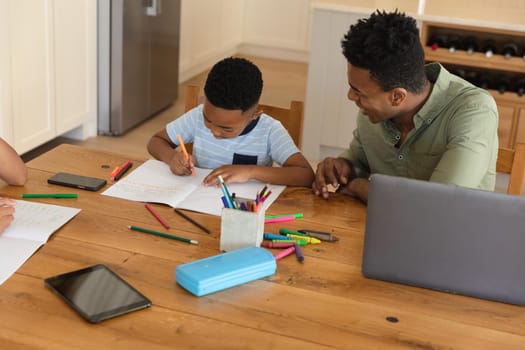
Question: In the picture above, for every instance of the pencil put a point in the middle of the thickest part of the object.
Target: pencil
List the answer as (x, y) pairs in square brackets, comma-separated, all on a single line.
[(160, 234), (156, 215), (192, 221), (122, 170), (181, 144)]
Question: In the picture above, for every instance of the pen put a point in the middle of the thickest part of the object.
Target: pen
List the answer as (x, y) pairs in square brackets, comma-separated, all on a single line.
[(279, 219), (284, 252), (122, 170), (274, 236), (285, 231), (311, 240), (299, 253), (181, 144), (227, 195), (192, 221), (323, 236), (278, 245), (156, 215), (165, 235), (49, 195), (298, 241)]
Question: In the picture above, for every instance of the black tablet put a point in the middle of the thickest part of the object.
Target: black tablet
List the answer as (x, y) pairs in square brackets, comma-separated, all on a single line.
[(97, 293), (77, 181)]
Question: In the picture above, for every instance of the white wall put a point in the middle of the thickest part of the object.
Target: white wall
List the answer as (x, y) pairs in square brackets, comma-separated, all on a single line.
[(211, 30)]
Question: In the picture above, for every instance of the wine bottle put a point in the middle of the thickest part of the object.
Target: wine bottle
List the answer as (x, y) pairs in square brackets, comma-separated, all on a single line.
[(489, 47), (472, 77), (454, 43), (459, 72), (470, 44), (484, 81), (437, 41), (501, 83), (519, 87), (509, 50)]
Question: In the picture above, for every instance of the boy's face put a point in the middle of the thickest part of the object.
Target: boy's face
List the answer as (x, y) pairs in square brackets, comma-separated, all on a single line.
[(227, 123)]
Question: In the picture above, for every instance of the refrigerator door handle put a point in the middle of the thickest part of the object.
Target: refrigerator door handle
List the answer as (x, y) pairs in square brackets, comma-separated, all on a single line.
[(153, 8)]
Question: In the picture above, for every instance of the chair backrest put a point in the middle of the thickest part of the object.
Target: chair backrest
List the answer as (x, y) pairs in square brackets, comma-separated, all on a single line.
[(291, 118), (512, 161)]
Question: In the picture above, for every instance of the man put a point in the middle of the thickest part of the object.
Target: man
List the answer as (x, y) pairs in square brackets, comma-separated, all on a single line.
[(415, 120)]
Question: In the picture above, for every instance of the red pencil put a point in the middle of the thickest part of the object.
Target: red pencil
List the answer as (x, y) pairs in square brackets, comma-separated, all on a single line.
[(157, 216)]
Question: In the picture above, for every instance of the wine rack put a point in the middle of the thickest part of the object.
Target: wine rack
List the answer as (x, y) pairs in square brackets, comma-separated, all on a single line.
[(499, 70)]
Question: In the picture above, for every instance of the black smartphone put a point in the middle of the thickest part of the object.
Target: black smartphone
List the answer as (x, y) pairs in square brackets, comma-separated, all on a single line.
[(97, 293), (77, 181)]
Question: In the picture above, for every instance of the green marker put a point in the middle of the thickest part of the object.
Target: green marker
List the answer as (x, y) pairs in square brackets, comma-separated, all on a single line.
[(285, 231), (49, 195), (298, 241), (297, 216)]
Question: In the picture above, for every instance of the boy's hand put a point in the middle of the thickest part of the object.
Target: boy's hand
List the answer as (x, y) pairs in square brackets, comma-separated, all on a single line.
[(180, 164), (7, 211), (229, 173)]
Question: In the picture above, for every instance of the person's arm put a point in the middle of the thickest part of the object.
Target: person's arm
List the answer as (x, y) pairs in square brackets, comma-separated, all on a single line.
[(162, 148), (472, 148), (12, 168), (296, 171)]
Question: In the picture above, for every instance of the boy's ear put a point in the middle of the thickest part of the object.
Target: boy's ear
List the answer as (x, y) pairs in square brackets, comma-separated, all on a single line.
[(257, 114)]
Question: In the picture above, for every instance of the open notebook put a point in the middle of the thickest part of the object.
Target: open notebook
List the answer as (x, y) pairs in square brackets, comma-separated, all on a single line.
[(32, 226), (154, 182)]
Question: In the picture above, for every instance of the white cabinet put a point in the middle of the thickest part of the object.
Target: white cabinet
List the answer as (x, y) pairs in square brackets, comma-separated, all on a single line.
[(329, 117), (49, 83)]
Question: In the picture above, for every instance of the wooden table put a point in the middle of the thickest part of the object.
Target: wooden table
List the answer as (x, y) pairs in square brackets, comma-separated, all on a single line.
[(324, 303)]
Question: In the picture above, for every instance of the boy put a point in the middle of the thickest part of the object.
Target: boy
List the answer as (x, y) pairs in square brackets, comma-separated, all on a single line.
[(230, 135)]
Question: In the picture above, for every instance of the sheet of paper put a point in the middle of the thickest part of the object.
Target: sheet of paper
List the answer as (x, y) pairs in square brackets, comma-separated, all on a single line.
[(154, 182), (32, 226), (37, 221)]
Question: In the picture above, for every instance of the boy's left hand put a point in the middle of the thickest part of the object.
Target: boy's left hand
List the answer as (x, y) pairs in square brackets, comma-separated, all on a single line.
[(229, 173)]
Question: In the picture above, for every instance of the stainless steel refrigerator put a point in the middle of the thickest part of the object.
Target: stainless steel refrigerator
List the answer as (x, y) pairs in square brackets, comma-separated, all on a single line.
[(138, 60)]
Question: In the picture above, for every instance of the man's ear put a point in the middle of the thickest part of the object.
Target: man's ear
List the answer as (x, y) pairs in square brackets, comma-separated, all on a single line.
[(397, 96)]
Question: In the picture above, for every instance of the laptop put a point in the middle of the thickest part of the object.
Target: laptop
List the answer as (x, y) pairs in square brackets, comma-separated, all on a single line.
[(446, 238)]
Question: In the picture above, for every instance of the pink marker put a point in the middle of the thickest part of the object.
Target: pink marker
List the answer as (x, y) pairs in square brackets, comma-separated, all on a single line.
[(284, 252), (279, 219)]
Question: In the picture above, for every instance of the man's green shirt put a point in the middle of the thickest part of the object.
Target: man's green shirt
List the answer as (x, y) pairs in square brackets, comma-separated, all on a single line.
[(455, 139)]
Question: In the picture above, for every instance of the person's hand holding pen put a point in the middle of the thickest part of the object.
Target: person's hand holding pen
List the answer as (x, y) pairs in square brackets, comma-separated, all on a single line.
[(180, 164), (7, 211)]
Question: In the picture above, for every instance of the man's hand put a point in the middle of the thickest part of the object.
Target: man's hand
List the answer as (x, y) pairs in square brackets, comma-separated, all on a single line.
[(333, 171)]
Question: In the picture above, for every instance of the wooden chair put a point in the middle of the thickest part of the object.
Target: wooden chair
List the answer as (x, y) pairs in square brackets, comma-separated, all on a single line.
[(291, 118), (513, 162)]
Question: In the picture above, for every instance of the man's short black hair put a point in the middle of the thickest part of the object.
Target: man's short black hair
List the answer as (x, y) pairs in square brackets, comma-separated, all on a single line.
[(388, 45), (234, 83)]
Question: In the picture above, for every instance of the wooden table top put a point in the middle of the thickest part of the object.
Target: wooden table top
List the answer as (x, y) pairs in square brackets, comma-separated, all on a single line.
[(324, 303)]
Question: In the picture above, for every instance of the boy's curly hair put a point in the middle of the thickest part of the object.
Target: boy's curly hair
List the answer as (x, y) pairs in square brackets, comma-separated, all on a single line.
[(234, 83)]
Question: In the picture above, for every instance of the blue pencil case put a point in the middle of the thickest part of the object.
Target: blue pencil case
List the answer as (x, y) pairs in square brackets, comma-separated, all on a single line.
[(225, 270)]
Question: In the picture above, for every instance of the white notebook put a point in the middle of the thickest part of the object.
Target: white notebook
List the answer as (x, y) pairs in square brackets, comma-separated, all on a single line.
[(31, 228), (154, 182)]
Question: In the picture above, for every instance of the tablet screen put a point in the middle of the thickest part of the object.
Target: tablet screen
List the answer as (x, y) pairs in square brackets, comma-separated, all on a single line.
[(97, 293)]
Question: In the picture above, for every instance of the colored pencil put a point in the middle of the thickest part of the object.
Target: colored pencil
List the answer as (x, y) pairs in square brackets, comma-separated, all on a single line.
[(156, 216), (160, 234), (192, 221)]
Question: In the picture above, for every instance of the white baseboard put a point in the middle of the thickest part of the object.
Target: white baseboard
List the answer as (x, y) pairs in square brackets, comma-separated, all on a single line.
[(274, 52)]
